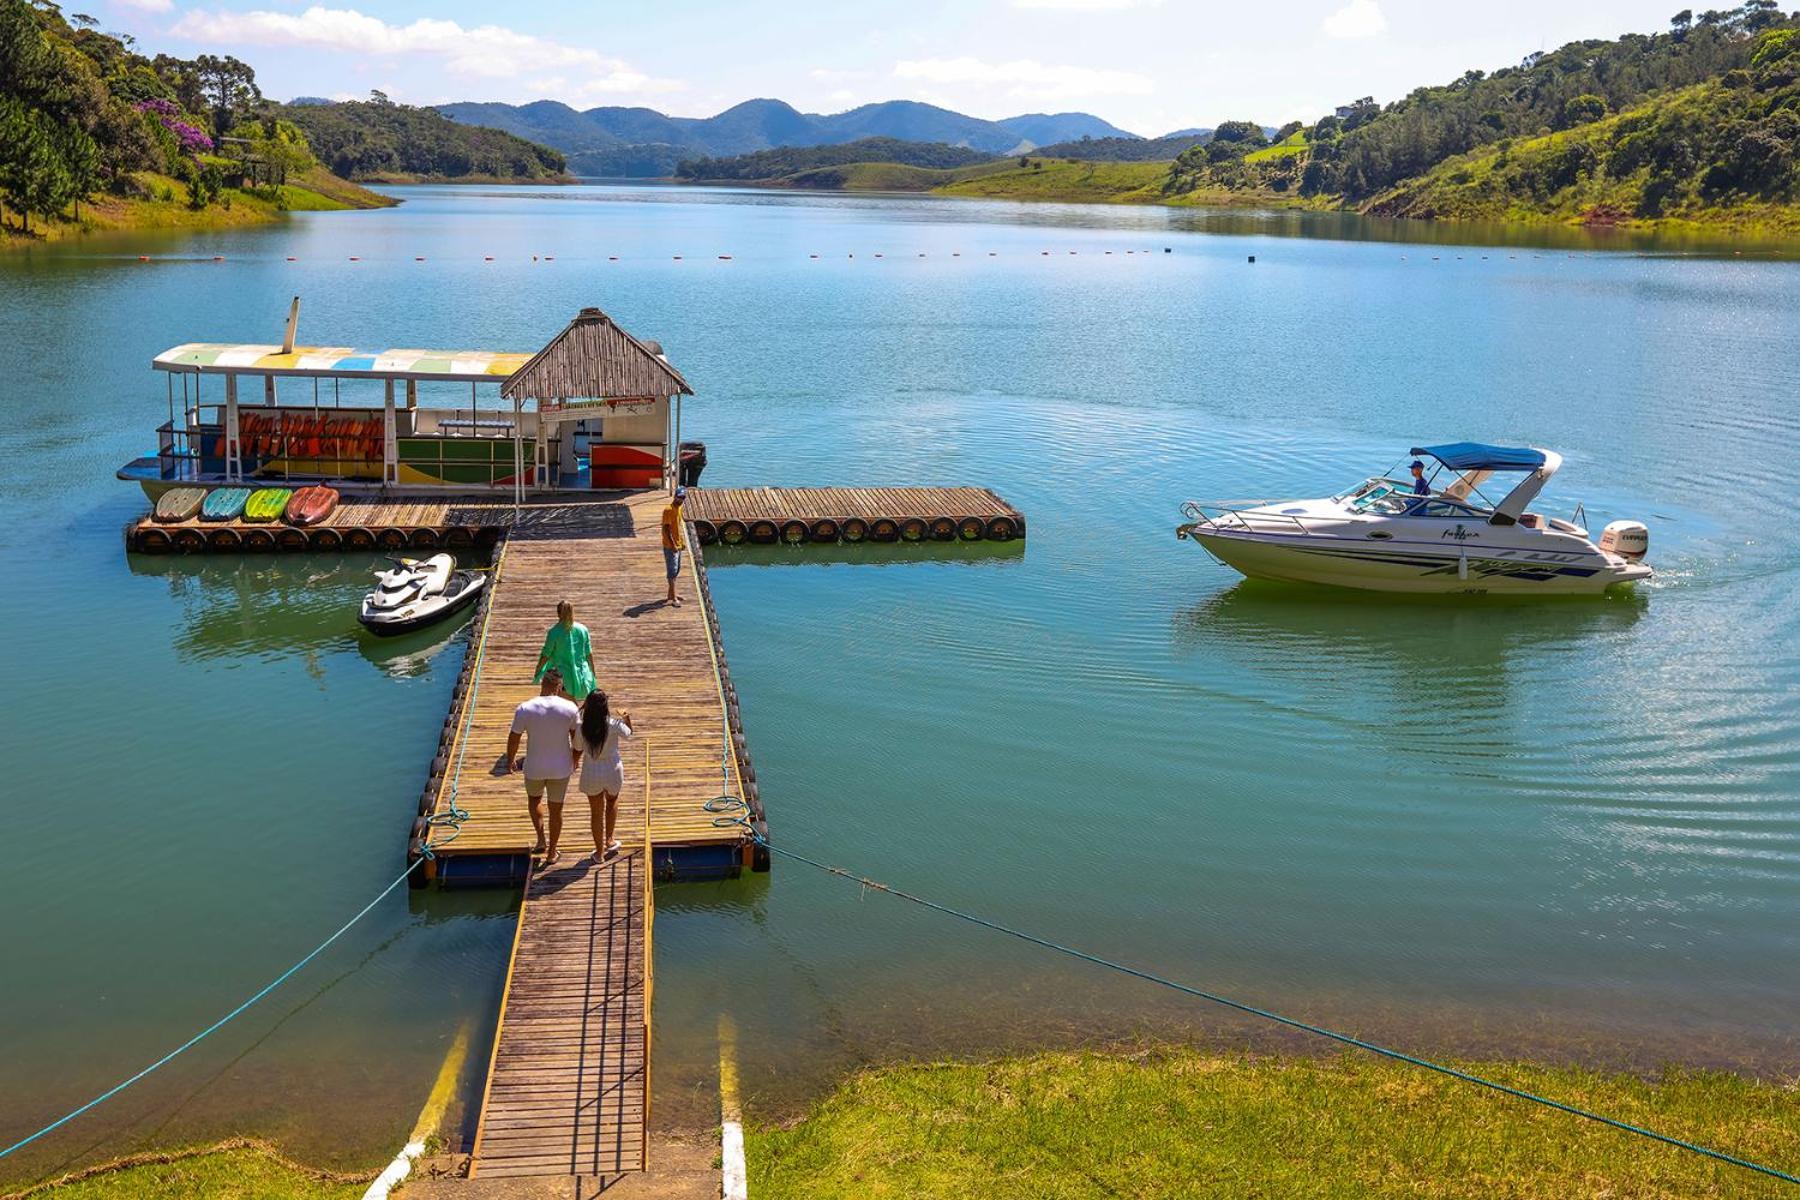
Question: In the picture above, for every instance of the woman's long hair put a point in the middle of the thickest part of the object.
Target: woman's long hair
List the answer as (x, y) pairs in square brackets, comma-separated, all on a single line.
[(594, 712)]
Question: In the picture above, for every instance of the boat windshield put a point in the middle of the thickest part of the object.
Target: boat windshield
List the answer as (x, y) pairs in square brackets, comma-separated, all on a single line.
[(1395, 498)]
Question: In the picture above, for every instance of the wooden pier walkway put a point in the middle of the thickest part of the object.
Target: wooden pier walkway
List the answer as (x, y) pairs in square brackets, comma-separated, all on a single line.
[(568, 1087)]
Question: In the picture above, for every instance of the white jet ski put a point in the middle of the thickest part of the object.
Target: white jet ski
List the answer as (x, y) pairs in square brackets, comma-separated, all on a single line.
[(415, 592)]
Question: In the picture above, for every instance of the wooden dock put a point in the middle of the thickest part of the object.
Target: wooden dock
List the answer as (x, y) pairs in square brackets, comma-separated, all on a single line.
[(765, 516), (568, 1084), (732, 516), (660, 664)]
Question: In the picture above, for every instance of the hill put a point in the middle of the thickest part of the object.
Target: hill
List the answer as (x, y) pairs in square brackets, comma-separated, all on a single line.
[(1126, 149), (643, 142), (377, 139), (777, 163), (95, 135), (1045, 129), (1700, 124)]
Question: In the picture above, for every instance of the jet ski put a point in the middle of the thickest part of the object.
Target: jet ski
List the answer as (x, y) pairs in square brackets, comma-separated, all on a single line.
[(417, 592)]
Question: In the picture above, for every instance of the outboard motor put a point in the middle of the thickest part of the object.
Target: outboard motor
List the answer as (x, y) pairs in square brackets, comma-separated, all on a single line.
[(1627, 539)]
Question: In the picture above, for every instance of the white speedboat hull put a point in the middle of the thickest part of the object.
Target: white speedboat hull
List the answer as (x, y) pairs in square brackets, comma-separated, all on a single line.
[(1399, 566)]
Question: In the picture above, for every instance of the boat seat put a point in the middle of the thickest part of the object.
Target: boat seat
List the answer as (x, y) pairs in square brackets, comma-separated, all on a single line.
[(1531, 521)]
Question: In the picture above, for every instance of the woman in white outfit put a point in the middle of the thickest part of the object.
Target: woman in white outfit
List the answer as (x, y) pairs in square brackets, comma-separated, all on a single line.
[(602, 769)]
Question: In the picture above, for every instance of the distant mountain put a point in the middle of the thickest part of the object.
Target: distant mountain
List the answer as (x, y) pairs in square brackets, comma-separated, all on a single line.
[(762, 165), (308, 101), (1196, 131), (1046, 129), (644, 142)]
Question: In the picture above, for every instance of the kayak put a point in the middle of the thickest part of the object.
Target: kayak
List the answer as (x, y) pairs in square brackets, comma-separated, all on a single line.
[(224, 504), (180, 504), (267, 504), (311, 505)]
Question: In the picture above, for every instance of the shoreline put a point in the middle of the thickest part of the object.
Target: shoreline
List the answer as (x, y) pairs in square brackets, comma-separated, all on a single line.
[(1331, 1124), (164, 207)]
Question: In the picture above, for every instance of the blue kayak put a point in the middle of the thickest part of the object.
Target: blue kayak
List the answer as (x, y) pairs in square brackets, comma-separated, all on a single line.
[(224, 504)]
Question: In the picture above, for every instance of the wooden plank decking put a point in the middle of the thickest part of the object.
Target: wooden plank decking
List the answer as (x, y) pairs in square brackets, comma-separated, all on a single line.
[(655, 662), (568, 1085), (831, 514)]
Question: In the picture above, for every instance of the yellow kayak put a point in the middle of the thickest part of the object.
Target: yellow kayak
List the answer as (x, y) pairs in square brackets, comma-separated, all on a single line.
[(267, 504)]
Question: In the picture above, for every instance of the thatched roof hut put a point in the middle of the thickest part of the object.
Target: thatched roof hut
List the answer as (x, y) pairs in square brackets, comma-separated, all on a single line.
[(593, 359)]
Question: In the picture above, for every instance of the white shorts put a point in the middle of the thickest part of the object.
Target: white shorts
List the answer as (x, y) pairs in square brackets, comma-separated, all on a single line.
[(602, 777), (558, 789)]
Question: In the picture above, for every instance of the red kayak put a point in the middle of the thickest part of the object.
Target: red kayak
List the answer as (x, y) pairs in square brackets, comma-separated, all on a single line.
[(311, 505)]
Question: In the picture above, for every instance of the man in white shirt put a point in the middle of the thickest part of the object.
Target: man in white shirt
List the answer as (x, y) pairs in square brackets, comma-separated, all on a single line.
[(552, 753)]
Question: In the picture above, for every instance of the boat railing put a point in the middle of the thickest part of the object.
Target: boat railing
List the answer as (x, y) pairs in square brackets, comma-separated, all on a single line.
[(1240, 516)]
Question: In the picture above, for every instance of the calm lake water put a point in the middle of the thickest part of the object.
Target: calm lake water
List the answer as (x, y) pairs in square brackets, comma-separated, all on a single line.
[(1567, 829)]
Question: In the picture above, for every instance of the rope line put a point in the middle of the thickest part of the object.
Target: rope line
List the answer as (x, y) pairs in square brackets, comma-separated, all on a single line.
[(1290, 1022), (451, 818), (222, 1021)]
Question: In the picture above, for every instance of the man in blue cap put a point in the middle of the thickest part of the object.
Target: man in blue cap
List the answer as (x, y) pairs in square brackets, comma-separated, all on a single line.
[(1420, 487), (674, 541)]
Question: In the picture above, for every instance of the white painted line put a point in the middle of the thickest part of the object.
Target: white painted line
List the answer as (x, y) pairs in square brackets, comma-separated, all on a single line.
[(735, 1181)]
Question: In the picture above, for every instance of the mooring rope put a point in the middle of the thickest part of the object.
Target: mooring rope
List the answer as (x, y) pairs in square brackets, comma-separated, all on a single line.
[(451, 818), (1250, 1009)]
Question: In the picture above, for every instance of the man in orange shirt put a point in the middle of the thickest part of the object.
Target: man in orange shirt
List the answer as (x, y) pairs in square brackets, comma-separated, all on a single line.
[(674, 541)]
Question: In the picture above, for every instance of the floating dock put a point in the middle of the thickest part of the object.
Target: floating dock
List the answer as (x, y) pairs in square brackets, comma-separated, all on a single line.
[(728, 516), (765, 516)]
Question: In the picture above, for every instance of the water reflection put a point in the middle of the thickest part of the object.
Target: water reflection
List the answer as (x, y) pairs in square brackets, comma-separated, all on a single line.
[(238, 607)]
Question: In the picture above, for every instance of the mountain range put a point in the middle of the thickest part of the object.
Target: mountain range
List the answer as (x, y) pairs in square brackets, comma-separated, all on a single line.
[(643, 142)]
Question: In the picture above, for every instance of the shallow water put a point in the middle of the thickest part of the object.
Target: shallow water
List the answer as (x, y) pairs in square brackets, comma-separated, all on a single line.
[(1569, 829)]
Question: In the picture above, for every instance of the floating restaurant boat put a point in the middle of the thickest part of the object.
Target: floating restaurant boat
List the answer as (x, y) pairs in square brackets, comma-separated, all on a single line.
[(180, 504), (311, 504), (416, 421), (224, 504), (267, 504), (1391, 534)]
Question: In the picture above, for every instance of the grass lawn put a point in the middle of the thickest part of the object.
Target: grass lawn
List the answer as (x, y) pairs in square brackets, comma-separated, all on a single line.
[(1185, 1123), (241, 1169), (1068, 179), (1294, 143)]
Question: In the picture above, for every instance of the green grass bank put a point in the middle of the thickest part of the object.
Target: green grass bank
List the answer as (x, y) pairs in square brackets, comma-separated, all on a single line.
[(1182, 1123), (239, 1169)]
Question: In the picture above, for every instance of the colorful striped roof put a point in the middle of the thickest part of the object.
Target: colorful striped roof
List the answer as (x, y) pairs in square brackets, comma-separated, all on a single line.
[(215, 358)]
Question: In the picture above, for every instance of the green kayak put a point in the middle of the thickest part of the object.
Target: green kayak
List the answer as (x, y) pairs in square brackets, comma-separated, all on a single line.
[(267, 504)]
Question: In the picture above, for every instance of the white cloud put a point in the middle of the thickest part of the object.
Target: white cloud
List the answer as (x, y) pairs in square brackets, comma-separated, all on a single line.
[(1357, 19), (152, 6), (485, 51), (1026, 78)]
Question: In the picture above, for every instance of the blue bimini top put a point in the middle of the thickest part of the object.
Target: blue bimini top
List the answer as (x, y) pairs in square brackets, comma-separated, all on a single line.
[(1474, 456)]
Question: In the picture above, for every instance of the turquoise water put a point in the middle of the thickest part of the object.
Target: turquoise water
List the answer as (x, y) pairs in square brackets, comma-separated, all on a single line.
[(1569, 829)]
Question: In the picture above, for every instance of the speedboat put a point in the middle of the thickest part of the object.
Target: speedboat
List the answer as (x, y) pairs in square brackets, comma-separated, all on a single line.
[(1442, 535), (416, 592)]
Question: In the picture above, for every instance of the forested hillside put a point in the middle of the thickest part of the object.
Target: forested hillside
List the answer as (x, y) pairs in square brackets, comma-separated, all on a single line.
[(790, 160), (93, 131), (1642, 127), (1124, 149), (377, 139)]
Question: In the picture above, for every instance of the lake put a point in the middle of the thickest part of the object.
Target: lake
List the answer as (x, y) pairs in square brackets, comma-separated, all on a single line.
[(1564, 829)]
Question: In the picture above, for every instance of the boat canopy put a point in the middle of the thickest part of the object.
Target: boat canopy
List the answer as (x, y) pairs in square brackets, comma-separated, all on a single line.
[(1474, 456), (342, 362)]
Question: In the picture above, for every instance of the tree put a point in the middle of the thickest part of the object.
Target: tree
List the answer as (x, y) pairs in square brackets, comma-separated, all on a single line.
[(1579, 110), (1681, 22), (1240, 131), (228, 88), (1289, 130)]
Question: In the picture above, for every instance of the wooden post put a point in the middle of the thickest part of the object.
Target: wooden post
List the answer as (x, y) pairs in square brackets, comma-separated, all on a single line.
[(390, 469)]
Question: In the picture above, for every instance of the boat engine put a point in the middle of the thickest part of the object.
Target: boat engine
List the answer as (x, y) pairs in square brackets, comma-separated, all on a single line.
[(1627, 539)]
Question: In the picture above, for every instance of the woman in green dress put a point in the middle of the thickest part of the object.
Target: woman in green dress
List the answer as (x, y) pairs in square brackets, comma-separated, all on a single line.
[(566, 647)]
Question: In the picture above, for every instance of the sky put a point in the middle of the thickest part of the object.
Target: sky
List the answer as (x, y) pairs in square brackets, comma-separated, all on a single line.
[(1148, 66)]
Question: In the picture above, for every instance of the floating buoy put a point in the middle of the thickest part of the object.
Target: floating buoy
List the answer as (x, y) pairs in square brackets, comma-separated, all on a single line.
[(1109, 251), (678, 258), (534, 258), (1074, 252), (921, 254), (353, 258), (290, 258), (993, 254), (612, 258), (1044, 252), (218, 258), (143, 258), (487, 258), (812, 256), (1253, 258), (1167, 250), (956, 254), (878, 256), (418, 258), (549, 258), (724, 258)]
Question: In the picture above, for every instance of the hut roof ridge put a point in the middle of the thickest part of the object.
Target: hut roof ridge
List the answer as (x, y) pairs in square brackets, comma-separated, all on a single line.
[(593, 358)]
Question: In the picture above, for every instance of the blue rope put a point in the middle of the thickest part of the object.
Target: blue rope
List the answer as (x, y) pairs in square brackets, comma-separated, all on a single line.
[(451, 818), (221, 1022), (1291, 1022)]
